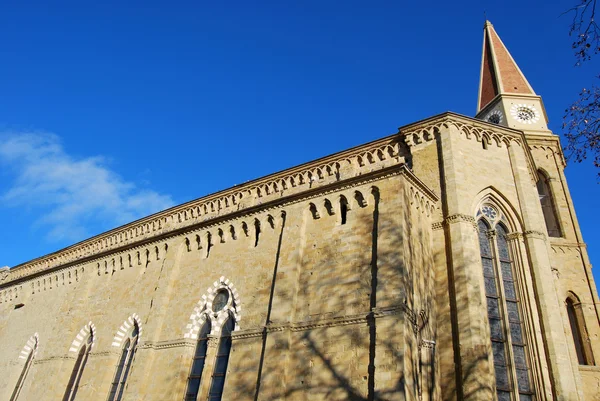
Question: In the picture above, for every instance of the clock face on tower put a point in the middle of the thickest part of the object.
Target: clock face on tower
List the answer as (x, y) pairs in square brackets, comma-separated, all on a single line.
[(524, 113)]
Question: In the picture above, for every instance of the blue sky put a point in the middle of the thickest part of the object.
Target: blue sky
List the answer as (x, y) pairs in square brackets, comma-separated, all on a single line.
[(110, 112)]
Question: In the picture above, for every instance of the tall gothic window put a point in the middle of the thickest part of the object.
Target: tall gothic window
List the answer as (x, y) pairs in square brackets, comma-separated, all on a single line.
[(82, 358), (124, 366), (548, 207), (220, 370), (509, 348), (579, 331), (25, 370), (193, 386)]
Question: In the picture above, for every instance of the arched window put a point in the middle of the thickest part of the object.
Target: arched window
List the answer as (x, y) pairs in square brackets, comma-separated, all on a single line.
[(220, 370), (193, 386), (579, 331), (509, 348), (548, 208), (82, 358), (124, 366), (25, 370)]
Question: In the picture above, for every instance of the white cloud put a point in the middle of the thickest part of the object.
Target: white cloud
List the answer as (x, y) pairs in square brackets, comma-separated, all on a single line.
[(71, 194)]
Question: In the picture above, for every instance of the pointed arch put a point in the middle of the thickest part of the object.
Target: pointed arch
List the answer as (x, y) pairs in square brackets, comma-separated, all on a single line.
[(133, 331), (492, 196), (579, 332), (28, 354), (204, 308), (126, 327), (83, 343)]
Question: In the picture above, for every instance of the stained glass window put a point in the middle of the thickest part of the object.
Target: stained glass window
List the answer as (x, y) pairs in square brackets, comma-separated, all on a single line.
[(80, 363), (198, 364), (124, 366), (24, 372), (220, 370), (511, 365)]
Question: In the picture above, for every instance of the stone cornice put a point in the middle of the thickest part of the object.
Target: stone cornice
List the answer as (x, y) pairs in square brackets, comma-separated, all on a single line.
[(421, 131), (354, 167), (416, 134)]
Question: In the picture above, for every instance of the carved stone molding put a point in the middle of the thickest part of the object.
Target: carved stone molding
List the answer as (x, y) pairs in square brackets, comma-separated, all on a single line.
[(534, 234), (455, 218), (175, 343)]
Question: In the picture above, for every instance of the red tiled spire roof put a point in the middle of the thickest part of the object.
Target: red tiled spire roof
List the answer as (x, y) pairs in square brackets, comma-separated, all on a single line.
[(499, 72)]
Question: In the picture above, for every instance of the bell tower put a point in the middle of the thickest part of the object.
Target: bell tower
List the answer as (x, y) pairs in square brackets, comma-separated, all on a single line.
[(505, 96)]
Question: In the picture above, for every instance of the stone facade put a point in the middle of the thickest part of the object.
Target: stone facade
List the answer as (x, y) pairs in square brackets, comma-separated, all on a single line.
[(356, 276)]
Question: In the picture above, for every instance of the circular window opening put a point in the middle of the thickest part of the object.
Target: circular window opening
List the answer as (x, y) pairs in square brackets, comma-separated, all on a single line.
[(220, 300)]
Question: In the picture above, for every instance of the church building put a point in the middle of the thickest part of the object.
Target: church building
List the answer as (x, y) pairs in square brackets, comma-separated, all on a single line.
[(444, 262)]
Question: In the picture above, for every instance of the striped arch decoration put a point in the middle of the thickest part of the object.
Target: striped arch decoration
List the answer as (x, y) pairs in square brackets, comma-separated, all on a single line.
[(32, 344), (126, 328), (82, 335), (203, 310)]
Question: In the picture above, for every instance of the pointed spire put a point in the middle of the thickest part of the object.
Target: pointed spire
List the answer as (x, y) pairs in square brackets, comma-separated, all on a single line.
[(499, 72)]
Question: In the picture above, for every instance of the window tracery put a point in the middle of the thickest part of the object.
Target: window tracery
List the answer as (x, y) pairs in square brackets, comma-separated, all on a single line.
[(217, 317), (508, 339)]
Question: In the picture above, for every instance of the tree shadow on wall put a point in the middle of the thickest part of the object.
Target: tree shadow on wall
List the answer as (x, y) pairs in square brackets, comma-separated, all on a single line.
[(363, 304)]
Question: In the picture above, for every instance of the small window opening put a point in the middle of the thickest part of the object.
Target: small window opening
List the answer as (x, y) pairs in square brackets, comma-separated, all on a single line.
[(19, 306), (484, 144)]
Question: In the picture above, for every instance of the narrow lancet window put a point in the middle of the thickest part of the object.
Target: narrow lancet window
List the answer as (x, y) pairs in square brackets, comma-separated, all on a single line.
[(511, 365), (220, 370), (578, 329), (82, 358), (548, 207), (25, 370), (193, 386), (124, 366)]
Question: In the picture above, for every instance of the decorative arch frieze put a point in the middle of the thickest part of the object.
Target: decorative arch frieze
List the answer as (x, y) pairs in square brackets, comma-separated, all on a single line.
[(88, 329), (204, 309), (126, 328)]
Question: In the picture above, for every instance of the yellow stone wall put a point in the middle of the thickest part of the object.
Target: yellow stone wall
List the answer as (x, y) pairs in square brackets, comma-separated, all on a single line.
[(308, 323)]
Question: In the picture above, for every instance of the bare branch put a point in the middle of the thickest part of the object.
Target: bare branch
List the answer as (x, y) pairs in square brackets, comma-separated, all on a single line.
[(581, 127), (584, 30)]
